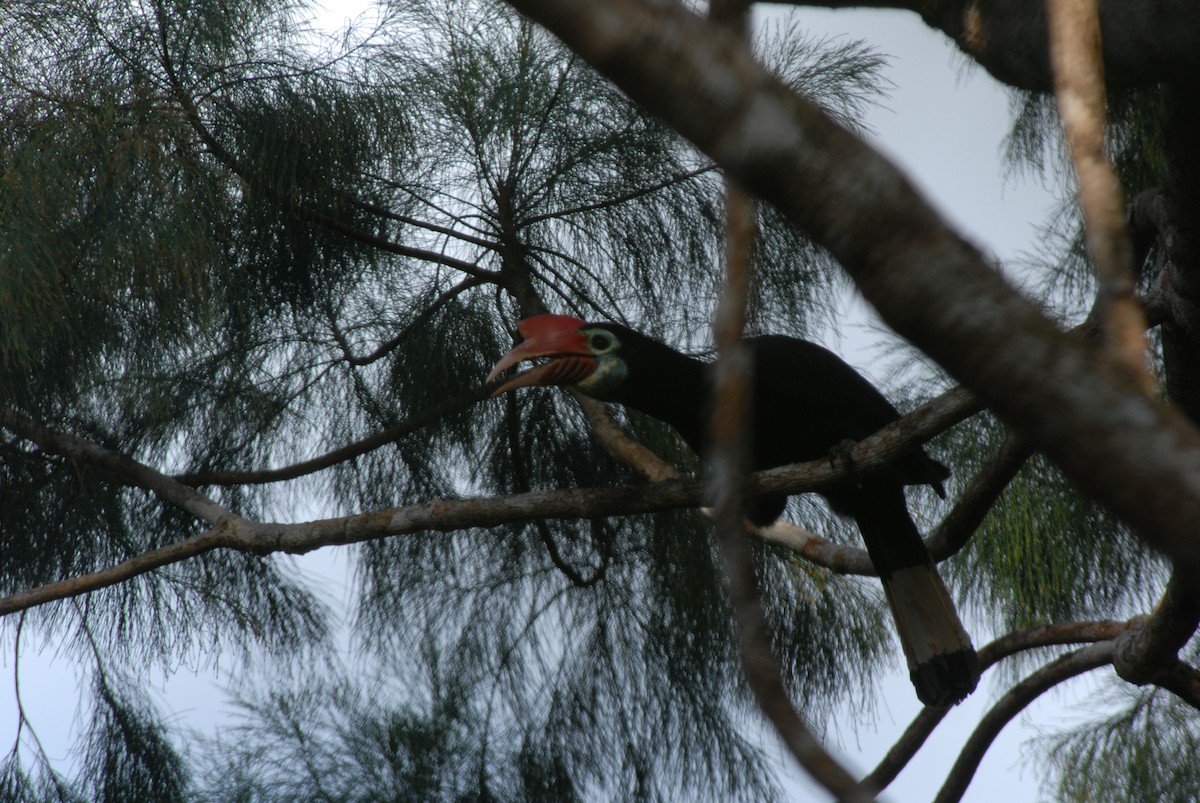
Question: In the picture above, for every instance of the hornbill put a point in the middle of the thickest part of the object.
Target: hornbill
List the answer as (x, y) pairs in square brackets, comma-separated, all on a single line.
[(807, 403)]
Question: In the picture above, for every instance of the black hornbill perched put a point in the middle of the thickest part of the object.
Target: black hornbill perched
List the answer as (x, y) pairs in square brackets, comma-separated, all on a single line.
[(807, 402)]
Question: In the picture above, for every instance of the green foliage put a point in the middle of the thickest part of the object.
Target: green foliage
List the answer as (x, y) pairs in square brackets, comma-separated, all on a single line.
[(1144, 753), (1034, 147), (127, 755), (225, 248), (17, 784), (1048, 554)]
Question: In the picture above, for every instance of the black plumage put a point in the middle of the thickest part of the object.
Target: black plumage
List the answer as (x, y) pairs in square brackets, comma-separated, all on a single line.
[(807, 403)]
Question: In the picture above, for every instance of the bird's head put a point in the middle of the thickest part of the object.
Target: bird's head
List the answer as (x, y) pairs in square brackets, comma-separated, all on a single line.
[(577, 353)]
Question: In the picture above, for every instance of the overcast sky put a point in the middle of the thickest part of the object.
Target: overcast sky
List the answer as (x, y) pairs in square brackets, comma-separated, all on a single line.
[(943, 124)]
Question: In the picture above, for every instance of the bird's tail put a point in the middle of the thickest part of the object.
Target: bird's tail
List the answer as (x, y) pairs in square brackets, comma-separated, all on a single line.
[(942, 661)]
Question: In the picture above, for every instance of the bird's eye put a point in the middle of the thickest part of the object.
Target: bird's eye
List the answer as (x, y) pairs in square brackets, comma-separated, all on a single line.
[(600, 341)]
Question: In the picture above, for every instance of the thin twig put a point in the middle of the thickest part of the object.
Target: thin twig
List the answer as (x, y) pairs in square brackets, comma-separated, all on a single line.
[(23, 721), (341, 454)]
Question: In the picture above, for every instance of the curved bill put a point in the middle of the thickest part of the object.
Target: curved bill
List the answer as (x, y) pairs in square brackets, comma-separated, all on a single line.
[(554, 336), (560, 371)]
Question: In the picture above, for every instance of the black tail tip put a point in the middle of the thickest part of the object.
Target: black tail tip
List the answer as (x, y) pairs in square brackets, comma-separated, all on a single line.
[(946, 679)]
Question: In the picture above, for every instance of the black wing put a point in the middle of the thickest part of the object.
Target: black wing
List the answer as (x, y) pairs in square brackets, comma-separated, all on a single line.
[(808, 400)]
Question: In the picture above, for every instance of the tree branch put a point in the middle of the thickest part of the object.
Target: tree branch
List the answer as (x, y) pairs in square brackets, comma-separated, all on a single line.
[(898, 438), (235, 532), (1143, 44), (607, 203), (979, 497), (730, 460), (900, 753), (1079, 89), (1131, 453), (126, 570), (928, 719), (1012, 703), (110, 463), (1180, 282), (1144, 651), (388, 346), (1181, 680), (1146, 218)]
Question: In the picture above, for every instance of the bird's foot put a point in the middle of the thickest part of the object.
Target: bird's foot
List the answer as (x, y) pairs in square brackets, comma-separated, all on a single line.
[(843, 453)]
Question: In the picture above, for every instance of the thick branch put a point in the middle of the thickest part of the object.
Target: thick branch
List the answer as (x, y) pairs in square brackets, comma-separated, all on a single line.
[(1181, 280), (1146, 217), (1181, 680), (1144, 43), (1144, 652), (1131, 453)]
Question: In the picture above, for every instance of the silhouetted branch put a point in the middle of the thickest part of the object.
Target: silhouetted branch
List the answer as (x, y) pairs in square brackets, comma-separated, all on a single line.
[(388, 346), (218, 150), (1148, 223), (980, 496), (1012, 703), (521, 481), (900, 753), (1029, 638), (114, 465), (342, 454)]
